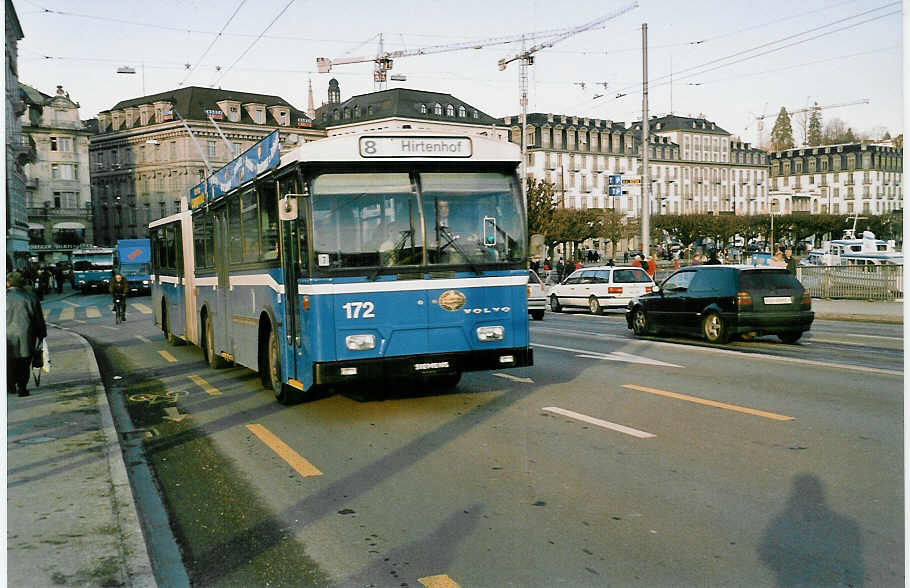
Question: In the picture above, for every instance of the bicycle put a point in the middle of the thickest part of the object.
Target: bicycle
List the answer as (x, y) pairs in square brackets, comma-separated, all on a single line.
[(119, 310)]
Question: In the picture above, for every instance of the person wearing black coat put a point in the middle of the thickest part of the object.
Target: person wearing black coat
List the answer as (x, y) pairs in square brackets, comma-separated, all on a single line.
[(25, 328)]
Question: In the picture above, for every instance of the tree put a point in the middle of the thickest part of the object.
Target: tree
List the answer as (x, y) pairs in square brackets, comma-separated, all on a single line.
[(814, 136), (886, 136), (899, 141), (541, 205), (612, 228), (836, 132), (782, 133)]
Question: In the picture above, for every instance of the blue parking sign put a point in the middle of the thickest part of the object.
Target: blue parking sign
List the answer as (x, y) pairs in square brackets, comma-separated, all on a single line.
[(614, 190), (614, 180)]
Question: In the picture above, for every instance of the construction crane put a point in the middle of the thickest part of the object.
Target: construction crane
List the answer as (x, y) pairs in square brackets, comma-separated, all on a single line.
[(526, 58), (761, 119), (383, 60)]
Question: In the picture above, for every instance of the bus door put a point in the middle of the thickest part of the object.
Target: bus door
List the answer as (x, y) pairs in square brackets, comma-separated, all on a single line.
[(221, 321), (289, 227)]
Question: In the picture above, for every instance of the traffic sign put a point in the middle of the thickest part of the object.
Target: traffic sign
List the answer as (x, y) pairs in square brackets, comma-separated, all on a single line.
[(632, 181), (614, 179), (614, 191)]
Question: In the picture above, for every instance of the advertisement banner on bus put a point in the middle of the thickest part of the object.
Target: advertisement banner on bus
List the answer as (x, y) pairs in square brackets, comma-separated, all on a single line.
[(259, 158)]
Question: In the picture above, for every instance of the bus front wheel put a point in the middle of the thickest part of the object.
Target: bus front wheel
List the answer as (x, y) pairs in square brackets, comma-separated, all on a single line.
[(284, 394)]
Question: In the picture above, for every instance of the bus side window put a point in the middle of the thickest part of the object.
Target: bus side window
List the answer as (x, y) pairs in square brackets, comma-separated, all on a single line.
[(268, 220), (199, 223), (289, 185), (234, 230), (249, 208)]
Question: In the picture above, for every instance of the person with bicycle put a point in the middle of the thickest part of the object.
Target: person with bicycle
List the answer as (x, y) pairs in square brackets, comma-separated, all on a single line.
[(119, 289)]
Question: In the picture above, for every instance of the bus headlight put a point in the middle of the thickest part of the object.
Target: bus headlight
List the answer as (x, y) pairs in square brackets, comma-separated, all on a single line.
[(145, 282), (490, 333), (360, 342)]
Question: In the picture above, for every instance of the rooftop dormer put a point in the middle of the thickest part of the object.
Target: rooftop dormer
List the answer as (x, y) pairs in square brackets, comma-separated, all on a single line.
[(231, 109), (256, 112), (281, 114)]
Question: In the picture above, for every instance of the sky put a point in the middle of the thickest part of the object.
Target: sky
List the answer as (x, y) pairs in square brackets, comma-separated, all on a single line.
[(730, 61)]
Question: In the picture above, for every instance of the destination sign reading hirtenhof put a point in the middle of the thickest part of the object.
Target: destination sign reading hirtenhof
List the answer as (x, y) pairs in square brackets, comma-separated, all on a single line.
[(415, 147)]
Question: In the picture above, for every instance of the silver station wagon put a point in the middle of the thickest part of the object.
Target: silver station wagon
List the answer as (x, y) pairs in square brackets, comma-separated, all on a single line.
[(596, 288)]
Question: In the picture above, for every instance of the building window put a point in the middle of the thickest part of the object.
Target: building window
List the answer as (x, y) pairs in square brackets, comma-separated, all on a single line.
[(236, 147), (450, 110), (462, 112), (423, 108), (346, 113), (474, 114), (369, 109), (356, 111), (437, 108), (173, 150), (62, 144), (211, 146)]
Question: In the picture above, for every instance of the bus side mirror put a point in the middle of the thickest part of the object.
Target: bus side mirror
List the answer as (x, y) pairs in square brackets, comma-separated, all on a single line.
[(287, 207)]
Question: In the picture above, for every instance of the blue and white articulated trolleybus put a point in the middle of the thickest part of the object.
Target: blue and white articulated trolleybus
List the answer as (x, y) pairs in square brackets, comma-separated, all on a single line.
[(353, 259)]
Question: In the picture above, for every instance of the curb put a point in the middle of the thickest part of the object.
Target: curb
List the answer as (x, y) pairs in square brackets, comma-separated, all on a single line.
[(865, 318), (134, 550)]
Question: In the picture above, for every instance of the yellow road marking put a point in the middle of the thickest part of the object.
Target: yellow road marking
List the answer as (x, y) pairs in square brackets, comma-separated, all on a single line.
[(68, 314), (47, 312), (141, 308), (441, 581), (167, 356), (209, 389), (293, 459), (752, 411), (92, 312)]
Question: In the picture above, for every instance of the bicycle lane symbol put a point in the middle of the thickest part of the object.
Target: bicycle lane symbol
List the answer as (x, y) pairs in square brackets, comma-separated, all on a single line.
[(168, 397)]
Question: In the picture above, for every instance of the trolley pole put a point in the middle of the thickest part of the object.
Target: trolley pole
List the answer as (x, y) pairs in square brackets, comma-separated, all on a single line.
[(645, 124)]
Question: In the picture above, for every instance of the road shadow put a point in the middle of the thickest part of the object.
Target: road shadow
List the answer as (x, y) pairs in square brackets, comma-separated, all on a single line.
[(808, 544)]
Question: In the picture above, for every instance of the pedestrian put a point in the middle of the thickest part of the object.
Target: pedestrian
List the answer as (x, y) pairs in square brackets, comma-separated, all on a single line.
[(25, 329), (578, 265), (675, 263), (610, 262), (712, 259), (535, 265), (778, 259), (560, 270), (791, 261), (44, 280), (58, 276), (625, 256), (637, 261), (652, 266)]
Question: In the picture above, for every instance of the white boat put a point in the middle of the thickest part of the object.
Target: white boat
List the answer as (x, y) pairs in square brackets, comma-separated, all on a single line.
[(850, 250)]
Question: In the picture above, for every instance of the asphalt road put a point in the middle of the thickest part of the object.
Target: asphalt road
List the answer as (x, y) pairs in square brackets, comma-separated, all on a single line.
[(611, 461)]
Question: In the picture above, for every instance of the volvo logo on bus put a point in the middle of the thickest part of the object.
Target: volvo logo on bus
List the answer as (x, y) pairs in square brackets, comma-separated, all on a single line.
[(451, 300)]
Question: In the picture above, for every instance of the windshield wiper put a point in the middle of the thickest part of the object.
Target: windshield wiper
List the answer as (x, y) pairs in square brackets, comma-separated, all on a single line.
[(396, 254), (453, 240)]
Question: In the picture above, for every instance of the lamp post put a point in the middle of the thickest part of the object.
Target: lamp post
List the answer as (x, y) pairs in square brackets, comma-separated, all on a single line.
[(126, 69)]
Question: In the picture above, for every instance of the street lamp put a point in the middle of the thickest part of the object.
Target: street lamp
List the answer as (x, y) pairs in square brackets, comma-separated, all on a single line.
[(126, 69)]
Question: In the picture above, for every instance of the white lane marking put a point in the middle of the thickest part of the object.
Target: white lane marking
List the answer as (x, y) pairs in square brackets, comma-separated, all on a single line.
[(514, 378), (107, 327), (600, 423), (70, 303), (614, 356), (738, 354), (143, 339), (92, 312), (141, 308), (67, 314)]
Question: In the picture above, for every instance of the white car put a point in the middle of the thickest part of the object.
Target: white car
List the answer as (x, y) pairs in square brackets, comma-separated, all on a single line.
[(596, 288)]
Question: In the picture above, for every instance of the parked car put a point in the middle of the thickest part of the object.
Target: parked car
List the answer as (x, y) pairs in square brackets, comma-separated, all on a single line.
[(537, 296), (719, 301), (596, 288)]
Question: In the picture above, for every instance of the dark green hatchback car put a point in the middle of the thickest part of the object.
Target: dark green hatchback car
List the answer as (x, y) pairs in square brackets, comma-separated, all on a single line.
[(720, 301)]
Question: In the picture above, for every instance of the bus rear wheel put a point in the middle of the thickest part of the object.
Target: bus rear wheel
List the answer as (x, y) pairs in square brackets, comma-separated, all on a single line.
[(284, 394)]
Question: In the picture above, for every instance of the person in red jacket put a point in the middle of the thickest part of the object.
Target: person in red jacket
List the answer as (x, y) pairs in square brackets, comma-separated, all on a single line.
[(652, 266)]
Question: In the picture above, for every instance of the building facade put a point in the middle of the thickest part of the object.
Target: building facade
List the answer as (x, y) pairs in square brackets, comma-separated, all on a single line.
[(405, 110), (19, 149), (144, 161), (837, 179), (58, 193), (695, 166)]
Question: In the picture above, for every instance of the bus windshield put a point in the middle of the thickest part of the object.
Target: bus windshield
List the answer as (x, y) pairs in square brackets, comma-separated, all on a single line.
[(134, 269), (383, 219), (93, 262)]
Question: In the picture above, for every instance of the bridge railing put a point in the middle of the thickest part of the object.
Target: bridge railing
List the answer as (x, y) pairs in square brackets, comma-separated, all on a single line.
[(869, 282)]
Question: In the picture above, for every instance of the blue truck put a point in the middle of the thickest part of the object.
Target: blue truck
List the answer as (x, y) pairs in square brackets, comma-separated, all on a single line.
[(92, 268), (132, 259)]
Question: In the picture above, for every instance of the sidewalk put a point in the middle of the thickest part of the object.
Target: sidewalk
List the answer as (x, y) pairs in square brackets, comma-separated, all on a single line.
[(879, 311), (71, 517)]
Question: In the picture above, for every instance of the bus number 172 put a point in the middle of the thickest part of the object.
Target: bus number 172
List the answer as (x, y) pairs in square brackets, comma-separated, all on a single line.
[(355, 310)]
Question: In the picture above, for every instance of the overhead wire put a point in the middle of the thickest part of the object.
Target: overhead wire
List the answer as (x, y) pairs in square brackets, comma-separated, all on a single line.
[(660, 80), (256, 40), (212, 44)]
